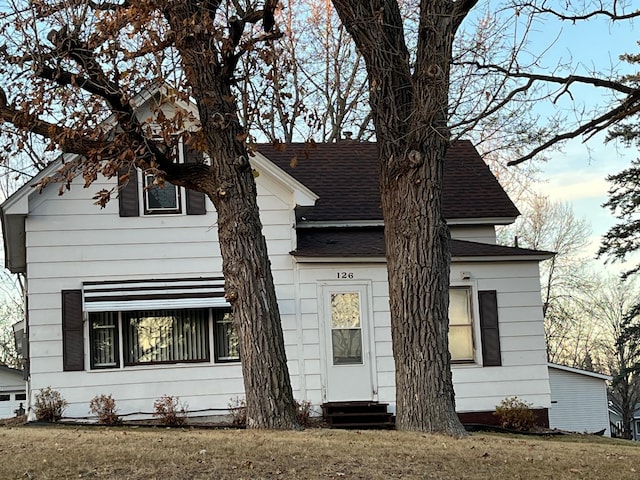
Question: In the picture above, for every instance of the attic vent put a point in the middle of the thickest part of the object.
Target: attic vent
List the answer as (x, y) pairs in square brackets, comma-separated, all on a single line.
[(175, 293)]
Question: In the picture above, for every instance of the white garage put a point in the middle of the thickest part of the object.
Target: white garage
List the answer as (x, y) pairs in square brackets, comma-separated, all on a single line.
[(12, 391), (578, 400)]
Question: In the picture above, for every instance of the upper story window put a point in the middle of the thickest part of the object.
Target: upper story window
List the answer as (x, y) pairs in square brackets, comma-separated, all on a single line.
[(140, 196), (161, 198)]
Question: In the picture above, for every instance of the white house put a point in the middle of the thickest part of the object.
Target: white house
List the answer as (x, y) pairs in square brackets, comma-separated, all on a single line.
[(12, 391), (578, 400), (128, 300)]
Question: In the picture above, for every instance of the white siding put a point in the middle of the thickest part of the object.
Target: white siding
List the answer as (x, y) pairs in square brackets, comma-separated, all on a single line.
[(70, 241), (474, 233), (578, 402), (524, 366)]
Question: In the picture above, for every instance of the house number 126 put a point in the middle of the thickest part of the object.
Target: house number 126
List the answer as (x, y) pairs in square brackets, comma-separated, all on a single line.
[(345, 274)]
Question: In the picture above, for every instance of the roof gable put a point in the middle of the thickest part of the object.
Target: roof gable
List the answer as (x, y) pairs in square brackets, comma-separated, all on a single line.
[(345, 175)]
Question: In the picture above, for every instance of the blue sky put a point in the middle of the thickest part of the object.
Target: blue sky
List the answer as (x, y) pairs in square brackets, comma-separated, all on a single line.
[(576, 174)]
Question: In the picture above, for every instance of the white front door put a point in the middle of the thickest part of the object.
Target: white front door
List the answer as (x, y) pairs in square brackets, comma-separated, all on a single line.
[(347, 352)]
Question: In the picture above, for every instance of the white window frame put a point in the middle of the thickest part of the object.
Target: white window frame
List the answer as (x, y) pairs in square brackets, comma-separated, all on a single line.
[(211, 339), (180, 194), (475, 325)]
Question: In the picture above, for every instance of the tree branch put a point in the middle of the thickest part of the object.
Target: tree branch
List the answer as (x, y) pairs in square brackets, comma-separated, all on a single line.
[(460, 10), (568, 80), (629, 107), (611, 15)]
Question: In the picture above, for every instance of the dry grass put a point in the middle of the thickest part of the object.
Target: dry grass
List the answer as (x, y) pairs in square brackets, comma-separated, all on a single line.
[(30, 452)]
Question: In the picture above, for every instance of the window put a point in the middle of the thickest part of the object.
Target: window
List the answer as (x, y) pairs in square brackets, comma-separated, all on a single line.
[(460, 325), (161, 336), (346, 329), (104, 339), (5, 398), (21, 396), (136, 189), (226, 337), (160, 198)]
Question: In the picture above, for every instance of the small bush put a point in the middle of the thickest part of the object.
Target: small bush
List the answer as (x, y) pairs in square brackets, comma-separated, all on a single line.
[(49, 405), (303, 412), (104, 407), (238, 412), (515, 414), (170, 411)]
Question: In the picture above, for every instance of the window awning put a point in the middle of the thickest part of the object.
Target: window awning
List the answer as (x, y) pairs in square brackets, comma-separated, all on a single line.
[(127, 295)]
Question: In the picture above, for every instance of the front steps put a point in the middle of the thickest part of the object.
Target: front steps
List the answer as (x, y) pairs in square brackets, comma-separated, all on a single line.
[(357, 415)]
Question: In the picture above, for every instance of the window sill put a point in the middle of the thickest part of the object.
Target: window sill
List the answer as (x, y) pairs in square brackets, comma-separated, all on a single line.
[(464, 363), (163, 366)]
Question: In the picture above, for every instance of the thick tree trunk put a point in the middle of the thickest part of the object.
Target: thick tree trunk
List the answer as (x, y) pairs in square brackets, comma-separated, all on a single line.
[(409, 112), (418, 258), (246, 267)]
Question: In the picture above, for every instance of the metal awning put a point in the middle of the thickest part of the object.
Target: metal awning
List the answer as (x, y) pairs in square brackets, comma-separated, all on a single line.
[(127, 295)]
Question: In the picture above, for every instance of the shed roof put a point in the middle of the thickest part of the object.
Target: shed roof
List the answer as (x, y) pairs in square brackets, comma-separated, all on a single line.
[(578, 371)]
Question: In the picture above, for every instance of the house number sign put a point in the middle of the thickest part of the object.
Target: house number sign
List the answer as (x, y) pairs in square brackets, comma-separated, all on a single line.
[(344, 275)]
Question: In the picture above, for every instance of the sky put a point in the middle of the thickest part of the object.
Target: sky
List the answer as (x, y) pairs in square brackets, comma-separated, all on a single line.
[(577, 173)]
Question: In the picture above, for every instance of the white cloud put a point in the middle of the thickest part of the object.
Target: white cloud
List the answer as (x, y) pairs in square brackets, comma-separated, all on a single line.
[(575, 185)]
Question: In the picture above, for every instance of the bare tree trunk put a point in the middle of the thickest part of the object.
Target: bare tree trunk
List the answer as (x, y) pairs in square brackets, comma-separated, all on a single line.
[(246, 267), (410, 116), (418, 269)]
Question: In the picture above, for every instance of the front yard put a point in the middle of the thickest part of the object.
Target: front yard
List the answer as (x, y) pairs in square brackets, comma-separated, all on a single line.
[(68, 452)]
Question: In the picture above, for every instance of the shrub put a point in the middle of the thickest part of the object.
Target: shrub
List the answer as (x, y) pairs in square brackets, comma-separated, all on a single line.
[(238, 412), (515, 414), (104, 407), (303, 412), (49, 405), (170, 411)]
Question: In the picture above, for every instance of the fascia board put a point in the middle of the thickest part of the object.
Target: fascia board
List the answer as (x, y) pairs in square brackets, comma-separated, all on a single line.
[(481, 221), (503, 258), (303, 196), (580, 372)]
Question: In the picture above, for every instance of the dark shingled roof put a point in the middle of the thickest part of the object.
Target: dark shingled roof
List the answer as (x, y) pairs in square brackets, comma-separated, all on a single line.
[(345, 177), (369, 242)]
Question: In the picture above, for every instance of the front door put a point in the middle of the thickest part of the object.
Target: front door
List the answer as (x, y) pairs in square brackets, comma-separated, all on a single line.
[(347, 352)]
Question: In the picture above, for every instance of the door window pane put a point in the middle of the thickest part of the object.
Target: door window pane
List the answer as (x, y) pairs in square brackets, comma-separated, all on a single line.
[(346, 332)]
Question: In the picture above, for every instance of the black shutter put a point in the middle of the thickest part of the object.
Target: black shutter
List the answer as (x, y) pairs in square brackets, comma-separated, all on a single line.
[(195, 200), (128, 194), (489, 330), (72, 331)]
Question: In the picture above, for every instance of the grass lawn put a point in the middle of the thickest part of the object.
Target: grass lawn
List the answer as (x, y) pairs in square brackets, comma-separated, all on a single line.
[(35, 452)]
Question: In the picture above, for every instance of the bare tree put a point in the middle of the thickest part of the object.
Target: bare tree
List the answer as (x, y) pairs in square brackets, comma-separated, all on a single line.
[(615, 305), (410, 102), (67, 66)]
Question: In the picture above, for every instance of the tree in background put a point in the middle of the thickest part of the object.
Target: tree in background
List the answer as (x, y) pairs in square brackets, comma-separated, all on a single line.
[(616, 306), (567, 279), (67, 66)]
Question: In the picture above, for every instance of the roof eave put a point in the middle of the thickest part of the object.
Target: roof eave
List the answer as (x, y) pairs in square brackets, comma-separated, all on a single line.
[(303, 196), (503, 258), (481, 221), (579, 371), (298, 258)]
